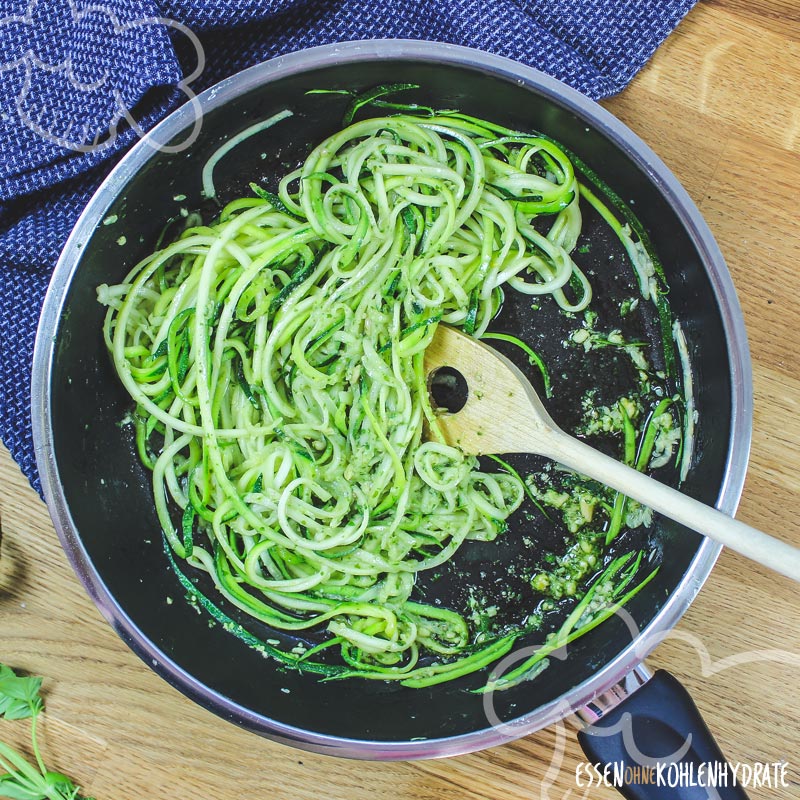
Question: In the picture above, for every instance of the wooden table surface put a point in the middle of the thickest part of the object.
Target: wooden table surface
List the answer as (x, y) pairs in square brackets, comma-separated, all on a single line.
[(720, 103)]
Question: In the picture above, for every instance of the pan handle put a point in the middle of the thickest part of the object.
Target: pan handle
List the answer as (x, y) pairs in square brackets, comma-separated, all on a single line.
[(654, 745)]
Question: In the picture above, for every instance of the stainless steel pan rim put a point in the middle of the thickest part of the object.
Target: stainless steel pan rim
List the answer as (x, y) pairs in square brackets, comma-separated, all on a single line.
[(366, 51)]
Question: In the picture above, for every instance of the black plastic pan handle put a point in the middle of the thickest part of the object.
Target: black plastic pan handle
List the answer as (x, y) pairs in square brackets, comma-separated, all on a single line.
[(658, 743)]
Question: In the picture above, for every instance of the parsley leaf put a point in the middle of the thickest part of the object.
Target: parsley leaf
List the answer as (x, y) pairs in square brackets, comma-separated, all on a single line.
[(19, 699)]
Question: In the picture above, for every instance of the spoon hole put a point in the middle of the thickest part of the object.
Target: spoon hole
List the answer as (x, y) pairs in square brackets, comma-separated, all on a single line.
[(448, 389)]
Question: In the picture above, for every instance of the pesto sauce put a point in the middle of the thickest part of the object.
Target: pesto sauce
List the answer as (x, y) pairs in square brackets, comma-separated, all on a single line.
[(584, 506)]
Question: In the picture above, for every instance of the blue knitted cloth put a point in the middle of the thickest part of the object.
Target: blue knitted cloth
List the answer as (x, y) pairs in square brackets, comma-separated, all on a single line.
[(79, 78)]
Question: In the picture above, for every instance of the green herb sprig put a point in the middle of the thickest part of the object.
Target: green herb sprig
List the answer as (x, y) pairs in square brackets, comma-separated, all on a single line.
[(21, 780)]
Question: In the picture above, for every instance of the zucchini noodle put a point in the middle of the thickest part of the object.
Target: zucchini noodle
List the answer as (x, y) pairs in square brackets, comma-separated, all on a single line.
[(275, 356)]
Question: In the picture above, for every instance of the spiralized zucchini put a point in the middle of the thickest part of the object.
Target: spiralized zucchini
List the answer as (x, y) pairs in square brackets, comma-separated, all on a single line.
[(275, 356)]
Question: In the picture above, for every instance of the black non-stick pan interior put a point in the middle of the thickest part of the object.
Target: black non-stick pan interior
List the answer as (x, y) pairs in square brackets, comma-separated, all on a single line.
[(109, 493)]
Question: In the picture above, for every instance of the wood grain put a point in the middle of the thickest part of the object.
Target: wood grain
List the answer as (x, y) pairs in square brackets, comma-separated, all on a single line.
[(719, 102)]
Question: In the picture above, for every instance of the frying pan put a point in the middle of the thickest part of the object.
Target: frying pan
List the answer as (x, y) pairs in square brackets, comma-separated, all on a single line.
[(100, 496)]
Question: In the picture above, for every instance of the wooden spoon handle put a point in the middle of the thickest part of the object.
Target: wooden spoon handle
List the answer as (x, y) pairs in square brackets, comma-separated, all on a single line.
[(767, 550)]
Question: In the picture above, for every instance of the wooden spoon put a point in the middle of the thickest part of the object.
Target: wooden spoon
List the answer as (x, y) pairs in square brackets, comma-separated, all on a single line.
[(503, 414)]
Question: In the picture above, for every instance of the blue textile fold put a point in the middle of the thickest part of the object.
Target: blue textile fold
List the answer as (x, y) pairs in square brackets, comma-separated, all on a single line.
[(80, 80)]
